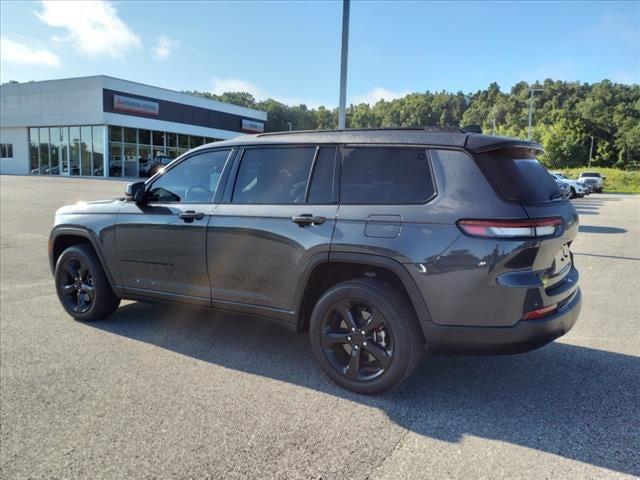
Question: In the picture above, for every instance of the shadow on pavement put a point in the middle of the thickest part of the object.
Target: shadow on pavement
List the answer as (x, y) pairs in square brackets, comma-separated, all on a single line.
[(576, 402), (598, 229)]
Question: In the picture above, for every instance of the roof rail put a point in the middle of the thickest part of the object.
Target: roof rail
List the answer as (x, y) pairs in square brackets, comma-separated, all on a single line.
[(334, 130)]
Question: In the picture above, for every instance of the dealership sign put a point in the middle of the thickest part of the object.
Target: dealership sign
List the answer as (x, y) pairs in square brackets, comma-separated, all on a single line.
[(135, 105), (252, 126)]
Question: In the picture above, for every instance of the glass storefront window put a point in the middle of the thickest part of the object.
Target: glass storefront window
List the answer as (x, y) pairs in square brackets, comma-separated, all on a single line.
[(158, 139), (74, 150), (144, 157), (172, 139), (64, 151), (172, 152), (44, 151), (98, 150), (183, 141), (54, 149), (130, 135), (85, 149), (115, 134), (144, 137), (130, 160), (196, 141), (34, 139), (115, 159)]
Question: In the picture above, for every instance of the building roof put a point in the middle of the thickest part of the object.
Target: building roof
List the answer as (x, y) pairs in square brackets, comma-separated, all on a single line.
[(445, 137)]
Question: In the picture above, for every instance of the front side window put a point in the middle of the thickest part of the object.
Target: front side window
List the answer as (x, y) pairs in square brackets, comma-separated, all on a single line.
[(193, 180), (273, 175), (395, 176)]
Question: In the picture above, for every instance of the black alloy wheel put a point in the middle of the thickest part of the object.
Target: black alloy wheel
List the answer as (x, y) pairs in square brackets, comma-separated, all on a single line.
[(82, 285), (365, 335), (77, 287), (357, 340)]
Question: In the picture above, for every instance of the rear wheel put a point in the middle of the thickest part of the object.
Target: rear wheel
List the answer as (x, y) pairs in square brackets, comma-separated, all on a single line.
[(573, 193), (82, 286), (365, 336)]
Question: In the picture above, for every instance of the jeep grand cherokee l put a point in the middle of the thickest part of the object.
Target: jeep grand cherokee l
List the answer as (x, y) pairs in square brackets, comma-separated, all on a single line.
[(382, 244)]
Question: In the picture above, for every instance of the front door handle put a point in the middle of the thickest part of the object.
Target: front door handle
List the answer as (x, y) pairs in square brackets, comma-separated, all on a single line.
[(307, 219), (191, 215)]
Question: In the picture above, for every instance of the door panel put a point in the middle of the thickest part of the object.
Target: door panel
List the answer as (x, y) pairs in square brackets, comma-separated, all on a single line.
[(256, 253), (160, 252)]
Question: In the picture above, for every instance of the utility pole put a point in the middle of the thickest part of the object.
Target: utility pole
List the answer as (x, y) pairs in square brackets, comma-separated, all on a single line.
[(290, 126), (590, 151), (342, 114), (532, 90)]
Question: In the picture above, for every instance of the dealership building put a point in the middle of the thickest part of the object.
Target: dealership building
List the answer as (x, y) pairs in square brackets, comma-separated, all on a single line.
[(107, 127)]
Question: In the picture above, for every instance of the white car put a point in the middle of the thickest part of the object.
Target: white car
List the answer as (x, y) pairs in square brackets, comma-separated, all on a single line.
[(594, 179), (578, 189)]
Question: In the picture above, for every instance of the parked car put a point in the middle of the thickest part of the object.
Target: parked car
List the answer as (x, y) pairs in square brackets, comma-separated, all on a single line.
[(565, 190), (578, 189), (594, 180), (381, 244)]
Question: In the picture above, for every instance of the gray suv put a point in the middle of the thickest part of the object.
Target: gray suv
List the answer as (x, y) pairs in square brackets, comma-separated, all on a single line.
[(382, 244)]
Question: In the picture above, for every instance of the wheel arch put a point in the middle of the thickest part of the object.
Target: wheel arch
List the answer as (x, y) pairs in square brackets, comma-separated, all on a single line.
[(64, 237), (323, 271)]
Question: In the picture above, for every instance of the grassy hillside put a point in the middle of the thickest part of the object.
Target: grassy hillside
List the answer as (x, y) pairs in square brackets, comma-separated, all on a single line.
[(623, 181)]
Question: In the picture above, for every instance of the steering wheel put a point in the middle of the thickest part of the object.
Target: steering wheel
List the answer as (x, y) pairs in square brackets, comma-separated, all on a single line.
[(201, 193)]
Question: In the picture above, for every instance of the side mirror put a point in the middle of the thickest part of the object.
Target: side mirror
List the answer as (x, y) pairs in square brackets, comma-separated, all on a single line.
[(134, 192), (604, 178)]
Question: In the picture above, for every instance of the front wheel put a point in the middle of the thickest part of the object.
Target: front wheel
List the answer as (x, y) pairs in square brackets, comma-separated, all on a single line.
[(82, 286), (365, 336)]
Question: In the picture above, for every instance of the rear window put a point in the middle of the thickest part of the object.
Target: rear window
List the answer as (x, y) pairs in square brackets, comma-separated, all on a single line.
[(518, 176), (382, 175)]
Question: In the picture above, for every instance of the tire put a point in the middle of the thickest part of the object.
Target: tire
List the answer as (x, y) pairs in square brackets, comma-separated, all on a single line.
[(573, 193), (399, 337), (82, 286)]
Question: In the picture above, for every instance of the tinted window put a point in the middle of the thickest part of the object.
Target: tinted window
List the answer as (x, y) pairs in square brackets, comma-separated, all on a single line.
[(385, 176), (323, 181), (519, 176), (273, 175), (192, 181)]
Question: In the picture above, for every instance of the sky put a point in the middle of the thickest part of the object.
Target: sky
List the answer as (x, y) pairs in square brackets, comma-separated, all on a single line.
[(290, 51)]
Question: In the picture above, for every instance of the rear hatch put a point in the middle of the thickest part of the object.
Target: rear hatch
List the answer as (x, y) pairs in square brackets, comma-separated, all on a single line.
[(518, 177)]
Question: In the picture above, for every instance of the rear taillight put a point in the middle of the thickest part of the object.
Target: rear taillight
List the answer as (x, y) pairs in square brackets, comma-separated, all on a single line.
[(511, 228), (541, 312)]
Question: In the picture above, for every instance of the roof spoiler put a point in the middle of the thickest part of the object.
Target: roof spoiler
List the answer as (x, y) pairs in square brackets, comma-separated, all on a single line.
[(472, 129)]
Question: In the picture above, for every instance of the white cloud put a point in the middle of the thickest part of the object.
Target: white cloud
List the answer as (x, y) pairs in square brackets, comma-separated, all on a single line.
[(164, 47), (222, 85), (92, 27), (378, 93), (21, 54)]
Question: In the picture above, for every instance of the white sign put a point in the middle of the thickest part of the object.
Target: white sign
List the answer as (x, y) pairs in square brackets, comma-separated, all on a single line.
[(252, 126), (135, 105)]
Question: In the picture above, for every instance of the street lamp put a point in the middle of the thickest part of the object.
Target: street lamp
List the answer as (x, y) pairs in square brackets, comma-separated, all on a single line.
[(532, 90), (590, 151), (342, 115), (290, 126)]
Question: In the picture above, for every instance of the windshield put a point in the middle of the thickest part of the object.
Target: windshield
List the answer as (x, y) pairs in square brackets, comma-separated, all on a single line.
[(590, 174)]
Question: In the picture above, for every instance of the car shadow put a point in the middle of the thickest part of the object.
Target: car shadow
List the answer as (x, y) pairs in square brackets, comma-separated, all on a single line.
[(580, 403), (599, 229)]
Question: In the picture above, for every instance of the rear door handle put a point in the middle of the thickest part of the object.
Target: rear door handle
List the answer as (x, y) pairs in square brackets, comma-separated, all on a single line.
[(191, 215), (307, 219)]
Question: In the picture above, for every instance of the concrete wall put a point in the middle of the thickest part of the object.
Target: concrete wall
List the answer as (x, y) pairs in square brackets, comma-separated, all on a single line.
[(19, 164)]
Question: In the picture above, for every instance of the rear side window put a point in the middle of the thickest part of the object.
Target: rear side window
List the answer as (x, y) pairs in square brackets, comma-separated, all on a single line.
[(518, 176), (273, 175), (383, 175), (323, 181)]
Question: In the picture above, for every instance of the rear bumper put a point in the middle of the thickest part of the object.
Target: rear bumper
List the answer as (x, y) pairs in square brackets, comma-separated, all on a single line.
[(524, 336)]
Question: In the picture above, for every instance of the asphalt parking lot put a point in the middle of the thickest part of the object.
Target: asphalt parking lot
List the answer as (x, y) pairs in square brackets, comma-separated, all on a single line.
[(171, 393)]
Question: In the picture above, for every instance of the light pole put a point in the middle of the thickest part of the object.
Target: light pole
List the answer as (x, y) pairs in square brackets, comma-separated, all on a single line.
[(342, 115), (590, 151), (290, 126), (532, 90)]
